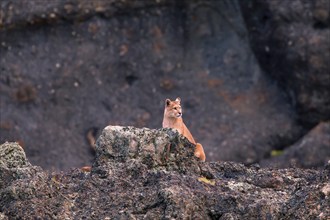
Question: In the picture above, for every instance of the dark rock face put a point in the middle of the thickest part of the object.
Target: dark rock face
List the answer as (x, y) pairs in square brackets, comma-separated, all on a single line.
[(313, 150), (68, 68), (65, 67), (135, 176), (291, 40)]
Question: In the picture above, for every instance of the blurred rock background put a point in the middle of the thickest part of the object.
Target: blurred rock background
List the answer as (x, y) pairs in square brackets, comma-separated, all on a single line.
[(253, 75)]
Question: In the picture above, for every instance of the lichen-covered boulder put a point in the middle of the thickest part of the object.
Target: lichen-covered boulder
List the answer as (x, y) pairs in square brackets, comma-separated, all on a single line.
[(12, 156), (14, 164), (155, 148)]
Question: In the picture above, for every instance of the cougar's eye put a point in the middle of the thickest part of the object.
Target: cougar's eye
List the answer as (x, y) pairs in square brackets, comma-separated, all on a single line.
[(175, 108)]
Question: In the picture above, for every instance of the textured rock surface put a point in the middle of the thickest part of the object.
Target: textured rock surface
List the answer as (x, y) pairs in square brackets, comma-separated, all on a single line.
[(70, 67), (135, 176), (291, 40)]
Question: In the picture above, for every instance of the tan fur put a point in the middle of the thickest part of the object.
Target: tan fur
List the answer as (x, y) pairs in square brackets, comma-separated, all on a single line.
[(173, 119)]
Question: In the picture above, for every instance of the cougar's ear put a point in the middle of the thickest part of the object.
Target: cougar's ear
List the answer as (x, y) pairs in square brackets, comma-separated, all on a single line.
[(178, 99), (167, 102)]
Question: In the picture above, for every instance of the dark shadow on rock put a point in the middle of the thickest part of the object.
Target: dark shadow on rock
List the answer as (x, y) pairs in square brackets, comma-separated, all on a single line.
[(291, 40), (312, 151)]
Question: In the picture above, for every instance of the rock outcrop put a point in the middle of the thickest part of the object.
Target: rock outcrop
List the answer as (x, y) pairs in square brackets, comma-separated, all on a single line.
[(152, 174)]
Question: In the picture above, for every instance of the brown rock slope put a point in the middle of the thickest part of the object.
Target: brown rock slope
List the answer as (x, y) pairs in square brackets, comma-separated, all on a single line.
[(136, 176)]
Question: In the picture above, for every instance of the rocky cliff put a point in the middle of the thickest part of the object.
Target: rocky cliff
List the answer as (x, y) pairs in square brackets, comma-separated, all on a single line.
[(152, 174), (252, 75)]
